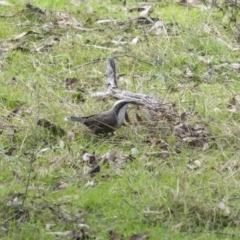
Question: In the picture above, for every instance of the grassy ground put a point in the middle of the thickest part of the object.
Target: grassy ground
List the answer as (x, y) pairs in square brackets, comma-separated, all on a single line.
[(190, 193)]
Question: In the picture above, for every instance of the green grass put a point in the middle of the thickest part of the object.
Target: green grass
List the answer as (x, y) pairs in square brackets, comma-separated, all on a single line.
[(170, 198)]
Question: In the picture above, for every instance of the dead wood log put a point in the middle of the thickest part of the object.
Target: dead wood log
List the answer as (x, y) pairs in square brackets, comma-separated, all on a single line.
[(155, 108), (117, 93)]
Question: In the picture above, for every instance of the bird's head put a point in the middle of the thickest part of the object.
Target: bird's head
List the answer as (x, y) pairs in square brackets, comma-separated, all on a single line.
[(120, 108)]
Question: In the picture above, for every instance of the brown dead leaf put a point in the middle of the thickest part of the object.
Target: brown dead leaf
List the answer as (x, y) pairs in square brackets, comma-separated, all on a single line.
[(94, 170), (34, 9), (144, 20), (10, 151), (194, 135), (64, 20), (22, 215), (115, 236), (164, 154), (89, 158), (70, 81), (232, 107), (139, 236), (136, 9), (16, 111), (53, 128), (183, 117), (115, 160), (79, 234), (76, 234), (12, 81)]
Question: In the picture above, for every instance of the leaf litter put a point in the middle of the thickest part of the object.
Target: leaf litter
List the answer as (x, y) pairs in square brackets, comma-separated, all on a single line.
[(44, 29), (114, 160), (51, 127), (166, 120), (118, 236)]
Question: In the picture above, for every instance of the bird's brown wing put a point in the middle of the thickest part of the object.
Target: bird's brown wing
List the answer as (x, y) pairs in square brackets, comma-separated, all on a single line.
[(101, 123)]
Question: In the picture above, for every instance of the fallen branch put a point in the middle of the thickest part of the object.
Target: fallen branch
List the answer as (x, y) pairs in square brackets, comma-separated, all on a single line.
[(117, 93), (155, 108)]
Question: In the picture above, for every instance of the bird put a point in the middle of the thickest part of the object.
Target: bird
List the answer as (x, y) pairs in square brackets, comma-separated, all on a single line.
[(105, 122)]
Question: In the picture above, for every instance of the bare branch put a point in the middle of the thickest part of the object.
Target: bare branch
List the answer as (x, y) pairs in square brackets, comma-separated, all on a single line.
[(115, 92), (111, 74)]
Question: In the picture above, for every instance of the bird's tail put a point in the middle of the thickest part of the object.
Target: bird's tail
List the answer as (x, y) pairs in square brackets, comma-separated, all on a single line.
[(74, 119)]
